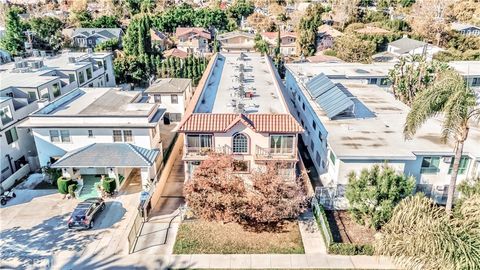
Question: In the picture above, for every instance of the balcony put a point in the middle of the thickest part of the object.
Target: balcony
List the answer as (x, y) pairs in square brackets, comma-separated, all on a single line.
[(200, 153), (275, 153)]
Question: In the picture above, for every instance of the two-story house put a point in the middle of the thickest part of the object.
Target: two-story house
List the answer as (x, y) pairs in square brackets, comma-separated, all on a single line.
[(193, 39), (241, 112), (91, 37), (90, 132), (172, 94), (287, 41), (236, 42)]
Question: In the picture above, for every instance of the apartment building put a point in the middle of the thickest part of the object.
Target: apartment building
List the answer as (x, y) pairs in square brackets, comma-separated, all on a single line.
[(193, 39), (90, 132), (172, 94), (31, 83), (353, 122), (241, 112)]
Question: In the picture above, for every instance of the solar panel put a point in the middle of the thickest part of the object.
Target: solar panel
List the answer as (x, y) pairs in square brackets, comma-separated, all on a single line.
[(328, 96)]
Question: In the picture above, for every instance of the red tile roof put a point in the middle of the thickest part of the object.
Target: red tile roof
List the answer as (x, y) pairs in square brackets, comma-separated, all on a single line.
[(202, 32), (175, 53), (274, 35), (222, 122)]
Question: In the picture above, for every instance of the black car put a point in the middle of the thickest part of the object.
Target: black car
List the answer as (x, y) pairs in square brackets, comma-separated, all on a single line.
[(85, 213)]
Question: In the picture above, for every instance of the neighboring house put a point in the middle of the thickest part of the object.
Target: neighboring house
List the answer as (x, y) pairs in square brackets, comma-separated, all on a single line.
[(193, 39), (5, 57), (99, 131), (352, 123), (237, 41), (326, 36), (407, 46), (321, 58), (160, 40), (241, 111), (466, 29), (175, 53), (90, 37), (287, 41), (30, 83), (173, 94)]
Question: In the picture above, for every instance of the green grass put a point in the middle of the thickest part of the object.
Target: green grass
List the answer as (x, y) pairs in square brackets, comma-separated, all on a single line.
[(202, 237)]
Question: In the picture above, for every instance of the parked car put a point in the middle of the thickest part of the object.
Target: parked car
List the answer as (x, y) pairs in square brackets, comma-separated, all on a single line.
[(85, 212)]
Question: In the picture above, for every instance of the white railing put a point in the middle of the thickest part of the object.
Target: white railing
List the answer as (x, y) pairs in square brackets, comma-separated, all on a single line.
[(203, 152), (10, 181), (274, 153)]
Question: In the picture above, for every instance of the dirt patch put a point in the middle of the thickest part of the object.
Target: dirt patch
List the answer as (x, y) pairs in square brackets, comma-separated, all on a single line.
[(346, 230)]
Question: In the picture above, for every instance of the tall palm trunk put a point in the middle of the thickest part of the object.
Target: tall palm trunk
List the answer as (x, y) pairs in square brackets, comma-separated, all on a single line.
[(453, 179)]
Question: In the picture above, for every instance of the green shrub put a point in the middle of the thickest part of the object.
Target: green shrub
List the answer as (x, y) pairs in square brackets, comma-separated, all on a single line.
[(63, 183), (109, 185), (350, 249), (72, 188), (330, 52)]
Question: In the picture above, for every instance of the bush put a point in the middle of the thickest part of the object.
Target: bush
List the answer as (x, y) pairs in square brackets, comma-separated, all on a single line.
[(72, 188), (63, 184), (350, 249), (109, 185)]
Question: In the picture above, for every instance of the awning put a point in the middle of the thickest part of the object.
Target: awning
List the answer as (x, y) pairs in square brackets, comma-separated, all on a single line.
[(108, 155)]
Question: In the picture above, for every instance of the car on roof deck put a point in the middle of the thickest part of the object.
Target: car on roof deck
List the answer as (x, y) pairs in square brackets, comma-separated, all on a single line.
[(85, 213)]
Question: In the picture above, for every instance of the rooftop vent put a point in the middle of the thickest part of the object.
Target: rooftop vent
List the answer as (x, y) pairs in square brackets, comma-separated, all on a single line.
[(72, 59)]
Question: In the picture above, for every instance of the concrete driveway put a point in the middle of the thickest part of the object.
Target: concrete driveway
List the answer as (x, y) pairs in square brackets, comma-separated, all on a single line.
[(33, 231)]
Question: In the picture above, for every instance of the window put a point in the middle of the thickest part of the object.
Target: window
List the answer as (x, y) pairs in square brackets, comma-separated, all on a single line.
[(320, 135), (90, 133), (281, 144), (175, 117), (372, 81), (303, 106), (32, 96), (475, 81), (105, 64), (318, 159), (56, 90), (65, 135), (462, 168), (44, 94), (299, 98), (71, 78), (303, 123), (11, 135), (99, 64), (54, 136), (240, 143), (241, 166), (6, 115), (332, 157), (127, 136), (312, 144), (89, 73), (81, 77), (430, 165), (174, 99), (117, 136), (157, 98), (198, 142), (106, 77), (314, 125)]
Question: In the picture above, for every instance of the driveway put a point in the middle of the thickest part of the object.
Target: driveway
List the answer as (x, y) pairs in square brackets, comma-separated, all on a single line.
[(33, 228)]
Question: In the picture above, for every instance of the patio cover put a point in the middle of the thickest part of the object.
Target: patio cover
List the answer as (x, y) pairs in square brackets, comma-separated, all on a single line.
[(108, 155)]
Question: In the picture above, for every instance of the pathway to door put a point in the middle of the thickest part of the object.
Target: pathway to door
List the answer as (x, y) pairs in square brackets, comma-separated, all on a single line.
[(89, 190), (158, 233)]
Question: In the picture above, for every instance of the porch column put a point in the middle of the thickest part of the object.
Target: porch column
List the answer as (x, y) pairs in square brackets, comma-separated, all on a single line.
[(67, 173), (113, 173)]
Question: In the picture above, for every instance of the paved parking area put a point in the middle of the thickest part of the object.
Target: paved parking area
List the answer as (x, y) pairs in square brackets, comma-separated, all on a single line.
[(33, 229)]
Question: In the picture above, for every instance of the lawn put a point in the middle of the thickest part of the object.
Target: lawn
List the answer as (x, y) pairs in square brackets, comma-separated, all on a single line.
[(203, 237)]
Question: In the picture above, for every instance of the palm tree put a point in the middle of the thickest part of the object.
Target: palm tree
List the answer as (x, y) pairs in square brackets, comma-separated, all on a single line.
[(451, 97)]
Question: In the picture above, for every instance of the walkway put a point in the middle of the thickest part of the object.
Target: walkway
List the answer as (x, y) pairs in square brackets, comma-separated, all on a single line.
[(158, 233), (312, 238)]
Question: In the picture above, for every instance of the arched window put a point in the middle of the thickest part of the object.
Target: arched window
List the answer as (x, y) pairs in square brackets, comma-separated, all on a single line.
[(240, 143)]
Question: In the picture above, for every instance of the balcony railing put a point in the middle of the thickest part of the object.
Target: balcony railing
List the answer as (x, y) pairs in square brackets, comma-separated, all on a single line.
[(203, 152), (262, 153)]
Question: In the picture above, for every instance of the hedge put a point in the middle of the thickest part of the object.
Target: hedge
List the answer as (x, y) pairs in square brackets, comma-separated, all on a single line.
[(340, 248), (109, 185), (63, 183)]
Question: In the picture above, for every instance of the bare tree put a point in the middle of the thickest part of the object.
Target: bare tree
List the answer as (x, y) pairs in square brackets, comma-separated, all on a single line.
[(428, 19)]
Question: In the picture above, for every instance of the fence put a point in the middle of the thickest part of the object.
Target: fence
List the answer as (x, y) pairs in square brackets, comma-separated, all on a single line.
[(322, 221), (135, 232), (12, 179)]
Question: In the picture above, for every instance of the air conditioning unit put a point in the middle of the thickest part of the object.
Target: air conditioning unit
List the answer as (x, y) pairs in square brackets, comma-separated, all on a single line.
[(447, 159)]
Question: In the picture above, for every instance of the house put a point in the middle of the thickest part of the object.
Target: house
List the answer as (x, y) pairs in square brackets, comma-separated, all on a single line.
[(160, 40), (466, 29), (287, 41), (193, 39), (352, 123), (326, 36), (30, 83), (175, 53), (172, 94), (237, 41), (90, 132), (407, 46), (241, 111), (91, 37), (5, 57)]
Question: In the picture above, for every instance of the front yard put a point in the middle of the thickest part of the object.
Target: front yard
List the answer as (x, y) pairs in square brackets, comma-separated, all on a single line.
[(203, 237), (346, 230)]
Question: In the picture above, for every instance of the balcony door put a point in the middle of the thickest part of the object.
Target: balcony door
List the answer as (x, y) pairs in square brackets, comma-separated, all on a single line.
[(281, 144), (199, 141)]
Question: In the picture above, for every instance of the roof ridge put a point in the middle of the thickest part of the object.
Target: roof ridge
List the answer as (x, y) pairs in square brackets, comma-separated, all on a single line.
[(134, 148)]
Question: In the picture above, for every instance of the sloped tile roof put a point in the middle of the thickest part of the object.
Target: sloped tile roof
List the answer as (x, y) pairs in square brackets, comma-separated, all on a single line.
[(202, 32), (108, 155), (175, 53), (261, 123), (169, 85)]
